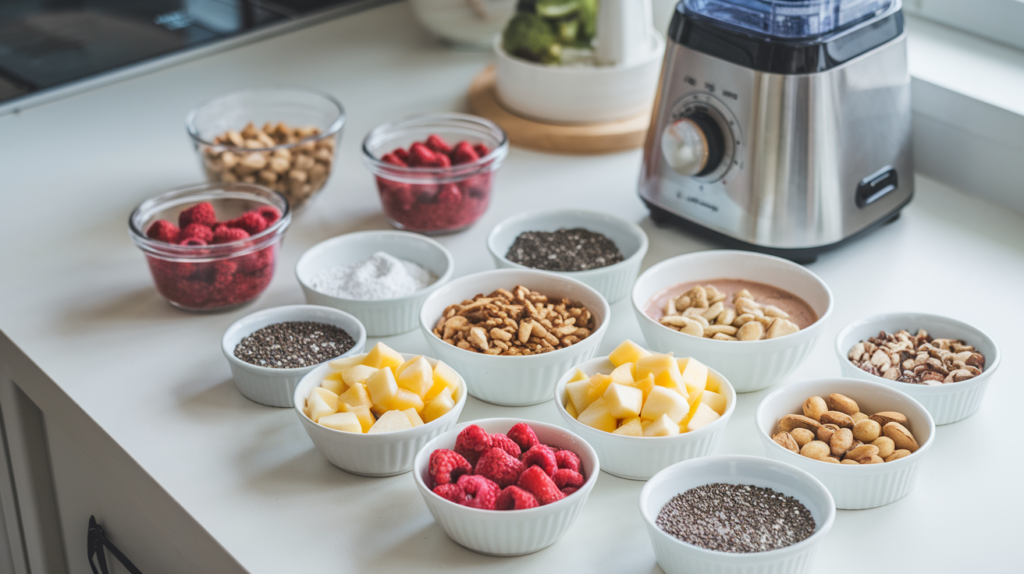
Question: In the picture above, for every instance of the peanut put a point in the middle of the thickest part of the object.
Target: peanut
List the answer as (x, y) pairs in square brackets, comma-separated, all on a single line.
[(837, 418), (864, 451), (857, 417), (841, 442), (842, 403), (867, 430), (802, 436), (885, 446), (814, 407), (897, 454), (817, 450), (825, 432), (900, 436), (786, 441), (790, 422), (886, 417)]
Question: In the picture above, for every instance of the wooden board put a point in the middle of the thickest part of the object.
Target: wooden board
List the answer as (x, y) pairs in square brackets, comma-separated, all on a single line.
[(619, 135)]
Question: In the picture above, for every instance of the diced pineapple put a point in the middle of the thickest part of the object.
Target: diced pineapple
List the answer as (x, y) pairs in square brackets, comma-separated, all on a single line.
[(598, 416), (383, 356), (663, 401), (645, 423), (334, 383), (571, 409), (645, 385), (624, 373), (357, 374), (444, 377), (405, 399), (579, 394), (414, 417), (694, 403), (578, 376), (356, 395), (624, 402), (345, 422), (383, 388), (704, 415), (417, 377), (406, 365), (346, 362), (665, 371), (362, 412), (390, 421), (321, 402), (439, 405), (627, 352), (631, 427), (662, 426), (714, 400), (695, 376), (713, 383), (598, 385)]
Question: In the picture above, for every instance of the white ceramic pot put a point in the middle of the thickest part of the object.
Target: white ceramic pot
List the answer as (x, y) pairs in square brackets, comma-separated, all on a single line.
[(464, 22)]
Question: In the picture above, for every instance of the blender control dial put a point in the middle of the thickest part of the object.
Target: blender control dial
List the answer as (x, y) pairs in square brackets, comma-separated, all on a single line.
[(693, 144)]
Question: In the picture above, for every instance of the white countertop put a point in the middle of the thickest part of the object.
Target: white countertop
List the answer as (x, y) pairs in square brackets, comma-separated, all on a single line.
[(77, 299)]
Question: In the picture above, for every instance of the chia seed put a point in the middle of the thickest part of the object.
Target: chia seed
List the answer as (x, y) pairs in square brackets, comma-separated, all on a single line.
[(737, 518), (564, 250), (293, 345)]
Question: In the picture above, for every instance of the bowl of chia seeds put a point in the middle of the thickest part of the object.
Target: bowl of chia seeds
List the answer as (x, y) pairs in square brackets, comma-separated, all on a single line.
[(601, 250), (271, 350), (737, 514)]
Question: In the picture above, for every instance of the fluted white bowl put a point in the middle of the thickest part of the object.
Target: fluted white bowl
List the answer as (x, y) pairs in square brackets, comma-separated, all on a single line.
[(947, 403), (508, 532), (380, 454), (678, 557), (517, 380), (381, 317), (640, 458), (275, 387), (749, 365), (614, 281), (853, 487)]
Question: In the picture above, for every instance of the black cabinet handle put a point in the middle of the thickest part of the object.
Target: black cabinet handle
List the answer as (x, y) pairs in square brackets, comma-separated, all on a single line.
[(97, 541)]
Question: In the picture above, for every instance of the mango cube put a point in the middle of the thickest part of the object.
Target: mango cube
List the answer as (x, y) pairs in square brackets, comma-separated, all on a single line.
[(598, 416), (662, 426), (345, 422), (417, 378), (627, 352), (624, 402), (390, 421), (598, 385), (405, 399), (443, 377), (334, 383), (624, 374), (347, 362), (357, 374), (579, 394), (665, 370), (695, 376), (438, 406), (356, 395), (321, 402), (645, 385), (383, 388), (406, 365), (578, 376), (714, 384), (666, 402), (571, 409), (703, 416), (414, 417), (714, 400), (362, 412), (631, 427), (383, 356)]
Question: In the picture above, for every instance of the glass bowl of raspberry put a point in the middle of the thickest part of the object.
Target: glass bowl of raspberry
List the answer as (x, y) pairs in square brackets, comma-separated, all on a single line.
[(434, 172), (211, 247)]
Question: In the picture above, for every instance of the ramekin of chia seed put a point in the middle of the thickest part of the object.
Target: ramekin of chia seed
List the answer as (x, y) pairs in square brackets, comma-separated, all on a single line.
[(599, 249), (741, 514), (271, 350)]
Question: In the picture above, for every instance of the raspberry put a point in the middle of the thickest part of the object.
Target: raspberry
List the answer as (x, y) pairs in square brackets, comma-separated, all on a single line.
[(163, 230), (394, 160), (481, 149), (402, 155), (564, 478), (480, 492), (523, 436), (452, 492), (541, 456), (540, 485), (567, 459), (229, 234), (464, 153), (443, 161), (569, 490), (421, 156), (250, 221), (515, 498), (270, 214), (192, 242), (499, 466), (506, 444), (437, 144), (472, 442), (449, 194), (257, 262), (447, 466), (223, 272), (202, 213), (197, 231)]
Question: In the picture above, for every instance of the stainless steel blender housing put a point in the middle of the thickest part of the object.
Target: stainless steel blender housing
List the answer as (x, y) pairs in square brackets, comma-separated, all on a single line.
[(795, 147)]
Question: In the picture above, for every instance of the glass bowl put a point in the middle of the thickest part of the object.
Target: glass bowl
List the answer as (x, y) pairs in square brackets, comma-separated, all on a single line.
[(218, 276), (435, 200), (282, 138)]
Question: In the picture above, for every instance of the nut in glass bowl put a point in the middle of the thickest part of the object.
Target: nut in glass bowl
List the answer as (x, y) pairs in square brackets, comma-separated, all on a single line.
[(283, 139)]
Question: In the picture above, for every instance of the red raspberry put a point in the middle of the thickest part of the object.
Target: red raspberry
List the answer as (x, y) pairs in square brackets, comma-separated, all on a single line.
[(540, 485), (229, 234), (569, 490), (499, 466), (437, 144), (202, 213), (452, 492), (394, 160), (464, 153), (250, 221), (472, 442), (541, 456), (523, 436), (192, 242), (270, 214), (223, 272), (443, 161), (402, 155), (256, 262), (481, 492), (421, 156), (515, 498), (163, 230), (567, 459), (506, 444), (197, 231), (481, 149), (449, 194), (564, 478), (447, 466)]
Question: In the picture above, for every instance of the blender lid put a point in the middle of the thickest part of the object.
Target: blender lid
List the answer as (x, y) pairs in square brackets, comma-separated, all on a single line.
[(791, 19)]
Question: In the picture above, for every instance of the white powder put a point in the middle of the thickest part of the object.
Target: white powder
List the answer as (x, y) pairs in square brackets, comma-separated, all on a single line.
[(380, 276)]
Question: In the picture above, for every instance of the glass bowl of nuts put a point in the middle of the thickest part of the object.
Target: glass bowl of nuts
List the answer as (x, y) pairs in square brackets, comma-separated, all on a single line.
[(434, 172), (211, 247), (281, 138)]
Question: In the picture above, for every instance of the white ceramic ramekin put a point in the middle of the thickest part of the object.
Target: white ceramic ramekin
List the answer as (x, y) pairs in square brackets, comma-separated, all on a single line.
[(854, 487), (678, 557), (947, 403), (382, 454), (640, 458), (614, 281), (519, 380), (275, 387), (382, 317), (749, 365), (508, 532)]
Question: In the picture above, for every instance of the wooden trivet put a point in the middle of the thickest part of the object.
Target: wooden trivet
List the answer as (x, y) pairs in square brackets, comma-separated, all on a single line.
[(619, 135)]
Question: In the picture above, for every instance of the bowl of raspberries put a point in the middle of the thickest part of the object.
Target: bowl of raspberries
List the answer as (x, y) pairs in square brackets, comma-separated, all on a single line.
[(211, 247), (434, 172), (506, 487)]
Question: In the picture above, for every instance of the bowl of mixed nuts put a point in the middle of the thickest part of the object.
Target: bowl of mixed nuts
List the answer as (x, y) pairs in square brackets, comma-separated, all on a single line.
[(943, 363), (281, 138)]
